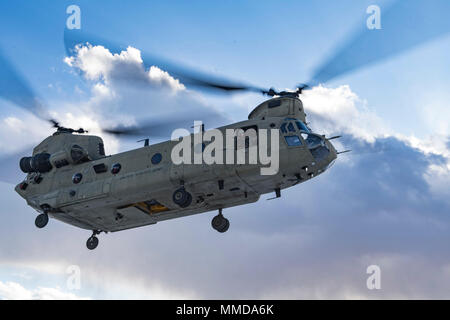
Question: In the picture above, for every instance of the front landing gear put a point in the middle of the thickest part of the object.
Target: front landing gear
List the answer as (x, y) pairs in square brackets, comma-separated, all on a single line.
[(182, 198), (220, 223), (92, 242), (41, 220)]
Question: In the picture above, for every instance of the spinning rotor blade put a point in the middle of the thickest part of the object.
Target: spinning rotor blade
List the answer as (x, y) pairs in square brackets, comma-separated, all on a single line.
[(156, 129), (404, 24), (14, 88), (189, 77), (9, 166), (162, 127)]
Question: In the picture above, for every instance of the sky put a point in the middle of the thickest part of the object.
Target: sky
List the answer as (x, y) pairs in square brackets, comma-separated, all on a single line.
[(386, 203)]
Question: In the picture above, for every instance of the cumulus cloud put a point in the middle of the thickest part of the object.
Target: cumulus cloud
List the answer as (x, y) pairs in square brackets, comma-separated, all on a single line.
[(98, 63), (340, 110), (125, 92)]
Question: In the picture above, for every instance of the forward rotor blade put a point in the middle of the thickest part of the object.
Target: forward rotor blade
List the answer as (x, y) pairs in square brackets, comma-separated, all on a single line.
[(404, 24), (189, 77)]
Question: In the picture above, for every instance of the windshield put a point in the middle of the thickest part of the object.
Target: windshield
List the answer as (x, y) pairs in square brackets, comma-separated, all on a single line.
[(293, 125), (312, 140), (301, 126)]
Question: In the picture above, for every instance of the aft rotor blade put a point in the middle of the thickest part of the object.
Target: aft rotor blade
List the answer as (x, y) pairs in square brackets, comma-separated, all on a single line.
[(187, 76), (9, 166), (404, 24), (163, 127), (145, 129), (15, 88)]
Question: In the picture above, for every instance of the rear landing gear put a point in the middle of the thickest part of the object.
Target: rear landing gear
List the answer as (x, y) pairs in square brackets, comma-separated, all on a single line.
[(220, 223), (41, 220), (92, 242)]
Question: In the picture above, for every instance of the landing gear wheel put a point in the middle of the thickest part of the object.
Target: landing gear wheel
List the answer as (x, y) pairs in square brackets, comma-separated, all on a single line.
[(182, 198), (220, 223), (41, 220), (92, 242)]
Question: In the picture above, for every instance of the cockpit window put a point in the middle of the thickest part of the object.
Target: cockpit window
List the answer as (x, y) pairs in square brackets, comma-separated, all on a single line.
[(293, 141), (291, 127), (301, 126), (312, 140)]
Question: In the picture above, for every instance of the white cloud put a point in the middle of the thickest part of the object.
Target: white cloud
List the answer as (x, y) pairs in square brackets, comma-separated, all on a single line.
[(124, 92), (21, 131), (107, 284), (98, 64), (15, 291), (340, 110)]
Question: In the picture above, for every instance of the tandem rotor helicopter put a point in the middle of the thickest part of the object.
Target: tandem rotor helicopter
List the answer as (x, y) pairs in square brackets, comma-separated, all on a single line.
[(70, 178)]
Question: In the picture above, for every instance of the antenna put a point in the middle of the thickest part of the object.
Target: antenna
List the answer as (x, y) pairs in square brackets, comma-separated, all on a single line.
[(146, 142)]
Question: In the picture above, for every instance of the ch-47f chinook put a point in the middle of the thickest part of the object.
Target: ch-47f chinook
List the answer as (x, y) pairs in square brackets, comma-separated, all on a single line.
[(71, 179)]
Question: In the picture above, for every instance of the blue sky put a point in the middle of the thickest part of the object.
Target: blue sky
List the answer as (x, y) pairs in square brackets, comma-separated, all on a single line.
[(386, 204), (268, 44)]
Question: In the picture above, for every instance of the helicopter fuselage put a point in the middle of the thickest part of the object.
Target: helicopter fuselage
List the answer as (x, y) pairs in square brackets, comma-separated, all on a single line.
[(89, 190)]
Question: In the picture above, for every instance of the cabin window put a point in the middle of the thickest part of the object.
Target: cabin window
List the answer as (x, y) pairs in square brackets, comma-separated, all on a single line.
[(115, 169), (283, 128), (157, 157), (77, 177), (293, 141)]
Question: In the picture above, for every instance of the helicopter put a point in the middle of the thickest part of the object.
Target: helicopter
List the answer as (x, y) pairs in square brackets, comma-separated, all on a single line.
[(70, 178)]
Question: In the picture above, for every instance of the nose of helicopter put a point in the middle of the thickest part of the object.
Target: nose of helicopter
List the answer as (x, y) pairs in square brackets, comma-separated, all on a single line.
[(333, 153), (322, 150), (326, 154)]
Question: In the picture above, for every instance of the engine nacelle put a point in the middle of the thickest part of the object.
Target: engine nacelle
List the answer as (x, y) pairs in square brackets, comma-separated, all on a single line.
[(37, 163), (63, 149)]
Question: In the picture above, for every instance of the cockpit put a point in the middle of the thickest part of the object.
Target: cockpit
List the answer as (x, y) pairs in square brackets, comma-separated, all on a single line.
[(296, 133), (293, 125)]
